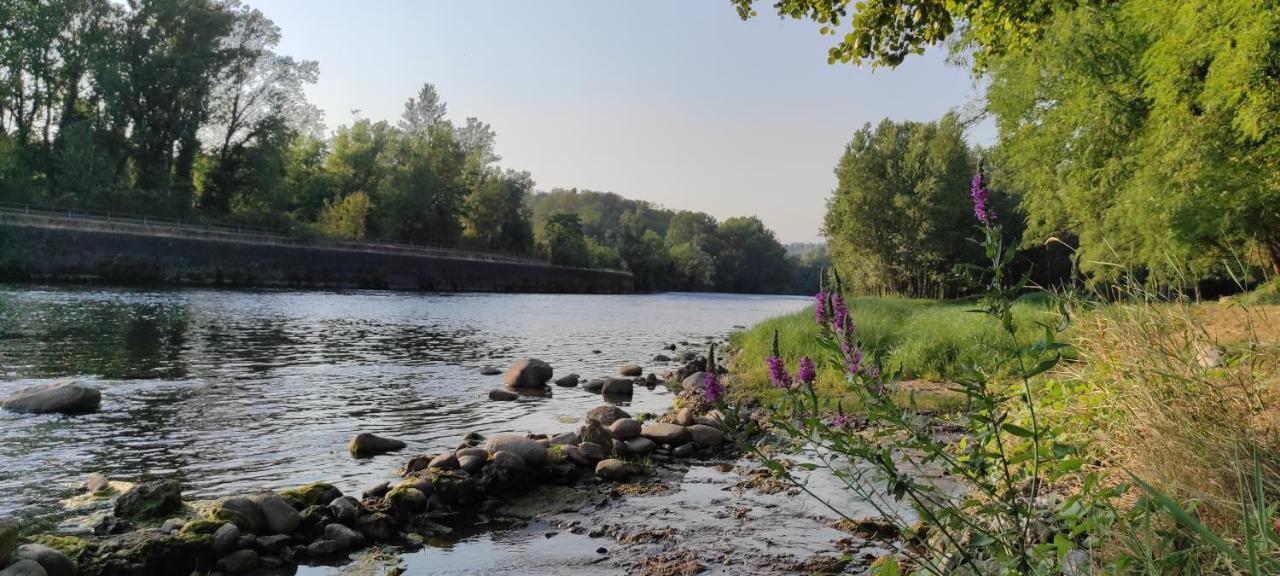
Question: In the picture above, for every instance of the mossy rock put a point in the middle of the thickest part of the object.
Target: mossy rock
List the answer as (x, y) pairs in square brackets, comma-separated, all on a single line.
[(224, 515), (314, 494), (199, 531), (72, 546)]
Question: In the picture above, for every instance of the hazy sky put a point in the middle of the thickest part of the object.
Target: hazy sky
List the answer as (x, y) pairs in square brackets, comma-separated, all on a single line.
[(674, 101)]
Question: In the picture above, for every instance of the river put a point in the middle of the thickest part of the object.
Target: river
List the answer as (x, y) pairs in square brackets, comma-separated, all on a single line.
[(235, 391)]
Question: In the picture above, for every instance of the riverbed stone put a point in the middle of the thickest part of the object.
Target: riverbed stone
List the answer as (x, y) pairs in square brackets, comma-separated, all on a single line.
[(661, 358), (8, 539), (490, 371), (575, 455), (694, 381), (24, 568), (238, 562), (533, 453), (685, 416), (376, 491), (606, 414), (323, 548), (705, 436), (630, 370), (225, 538), (618, 387), (347, 538), (154, 500), (96, 483), (684, 450), (471, 463), (528, 373), (445, 462), (568, 381), (508, 462), (65, 396), (55, 563), (499, 395), (471, 451), (564, 439), (407, 498), (377, 527), (665, 433), (595, 452), (366, 444), (242, 512), (279, 516), (640, 446), (344, 509), (625, 428), (273, 543), (613, 469), (313, 494)]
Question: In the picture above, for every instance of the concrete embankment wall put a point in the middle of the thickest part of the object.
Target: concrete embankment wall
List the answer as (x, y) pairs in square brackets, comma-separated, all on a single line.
[(66, 249)]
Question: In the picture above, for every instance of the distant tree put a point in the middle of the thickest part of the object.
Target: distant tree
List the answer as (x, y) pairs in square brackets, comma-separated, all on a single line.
[(565, 243), (900, 217), (346, 218), (496, 216), (694, 268), (751, 259), (424, 113)]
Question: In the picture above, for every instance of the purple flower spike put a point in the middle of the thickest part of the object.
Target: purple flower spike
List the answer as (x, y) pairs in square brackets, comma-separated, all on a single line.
[(981, 201), (712, 387), (820, 308), (778, 372), (842, 421), (807, 372)]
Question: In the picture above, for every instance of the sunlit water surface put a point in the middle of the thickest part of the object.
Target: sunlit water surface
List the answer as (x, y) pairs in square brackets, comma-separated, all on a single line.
[(238, 391)]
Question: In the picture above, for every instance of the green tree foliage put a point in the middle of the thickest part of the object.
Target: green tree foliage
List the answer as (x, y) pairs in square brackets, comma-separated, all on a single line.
[(899, 218), (347, 218), (496, 216), (565, 243)]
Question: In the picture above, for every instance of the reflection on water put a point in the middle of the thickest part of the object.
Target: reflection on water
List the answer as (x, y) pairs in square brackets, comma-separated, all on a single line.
[(236, 391)]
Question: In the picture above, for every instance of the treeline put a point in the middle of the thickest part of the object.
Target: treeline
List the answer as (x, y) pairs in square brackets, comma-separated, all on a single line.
[(670, 250), (1139, 138), (184, 109)]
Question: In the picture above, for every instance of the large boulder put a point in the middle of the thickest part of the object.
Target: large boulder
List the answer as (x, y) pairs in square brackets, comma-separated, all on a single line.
[(630, 370), (24, 568), (705, 435), (8, 539), (606, 414), (243, 512), (625, 428), (618, 387), (60, 397), (531, 451), (665, 433), (150, 500), (365, 444), (528, 373), (55, 563), (277, 514)]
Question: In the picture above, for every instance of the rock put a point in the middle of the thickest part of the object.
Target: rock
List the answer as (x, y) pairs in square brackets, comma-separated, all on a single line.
[(595, 452), (242, 512), (684, 450), (693, 381), (407, 498), (706, 421), (345, 509), (454, 487), (110, 525), (472, 451), (60, 397), (155, 499), (347, 538), (625, 428), (315, 517), (613, 469), (630, 370), (533, 453), (1076, 562), (55, 563), (313, 494), (96, 484), (490, 371), (502, 395), (24, 568), (272, 544), (685, 417), (508, 462), (575, 455), (377, 527), (665, 433), (471, 463), (594, 385), (172, 524), (661, 358), (596, 433), (445, 462), (225, 538), (568, 381), (606, 414), (323, 548), (528, 373), (640, 446), (618, 387), (377, 491), (279, 515), (365, 444), (651, 380), (8, 539), (705, 436), (566, 439), (238, 562)]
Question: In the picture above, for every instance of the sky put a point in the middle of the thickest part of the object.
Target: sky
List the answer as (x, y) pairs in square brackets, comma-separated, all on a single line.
[(677, 102)]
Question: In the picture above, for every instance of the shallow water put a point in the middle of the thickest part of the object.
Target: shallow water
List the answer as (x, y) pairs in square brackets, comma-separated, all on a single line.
[(239, 391)]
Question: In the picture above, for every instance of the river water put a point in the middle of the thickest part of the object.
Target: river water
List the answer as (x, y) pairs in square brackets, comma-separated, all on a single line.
[(236, 391)]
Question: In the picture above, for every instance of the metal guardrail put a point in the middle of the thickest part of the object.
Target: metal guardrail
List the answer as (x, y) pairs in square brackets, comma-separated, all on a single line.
[(155, 226)]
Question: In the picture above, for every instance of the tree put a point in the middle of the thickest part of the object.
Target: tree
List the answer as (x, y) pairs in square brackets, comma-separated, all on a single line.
[(899, 218), (496, 216), (424, 113), (348, 217), (565, 243), (751, 258)]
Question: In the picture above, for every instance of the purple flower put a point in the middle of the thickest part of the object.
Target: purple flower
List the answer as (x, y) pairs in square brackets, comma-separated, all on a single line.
[(981, 199), (778, 372), (820, 308), (842, 421), (712, 387), (843, 322), (807, 372), (852, 357)]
